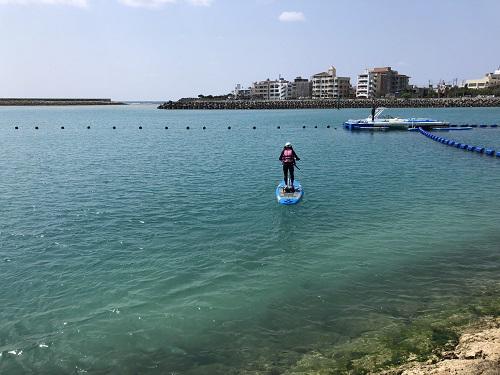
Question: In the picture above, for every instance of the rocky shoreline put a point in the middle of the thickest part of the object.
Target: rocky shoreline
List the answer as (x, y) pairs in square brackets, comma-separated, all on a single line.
[(331, 103), (477, 352), (56, 101)]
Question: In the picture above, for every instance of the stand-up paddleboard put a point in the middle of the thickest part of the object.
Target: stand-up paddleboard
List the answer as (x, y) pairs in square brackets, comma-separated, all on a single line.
[(289, 198)]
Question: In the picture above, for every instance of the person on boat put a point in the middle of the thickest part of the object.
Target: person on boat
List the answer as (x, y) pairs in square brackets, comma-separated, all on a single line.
[(288, 158), (373, 113)]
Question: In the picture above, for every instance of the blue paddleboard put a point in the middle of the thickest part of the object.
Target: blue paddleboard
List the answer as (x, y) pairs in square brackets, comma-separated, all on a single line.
[(289, 198)]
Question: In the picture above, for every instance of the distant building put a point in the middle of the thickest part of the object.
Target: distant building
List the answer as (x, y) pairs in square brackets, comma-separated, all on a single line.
[(379, 82), (270, 90), (365, 88), (323, 83), (442, 88), (241, 93), (388, 81), (342, 87), (488, 81), (300, 88), (421, 92)]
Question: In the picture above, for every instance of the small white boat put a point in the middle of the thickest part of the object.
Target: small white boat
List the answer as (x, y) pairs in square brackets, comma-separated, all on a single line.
[(389, 122)]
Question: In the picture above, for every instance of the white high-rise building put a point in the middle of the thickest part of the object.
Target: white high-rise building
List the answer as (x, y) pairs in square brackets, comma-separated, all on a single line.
[(323, 83), (365, 88), (271, 90)]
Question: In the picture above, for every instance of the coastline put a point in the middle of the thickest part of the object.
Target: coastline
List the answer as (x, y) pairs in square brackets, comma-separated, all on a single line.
[(55, 102), (464, 348), (477, 352), (330, 103), (463, 341)]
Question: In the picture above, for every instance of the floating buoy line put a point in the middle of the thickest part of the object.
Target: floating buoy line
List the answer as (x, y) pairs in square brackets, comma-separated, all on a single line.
[(140, 127), (458, 127), (460, 145)]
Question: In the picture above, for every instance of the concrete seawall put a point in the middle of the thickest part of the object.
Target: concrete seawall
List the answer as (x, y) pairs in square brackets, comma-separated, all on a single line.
[(331, 103), (55, 101)]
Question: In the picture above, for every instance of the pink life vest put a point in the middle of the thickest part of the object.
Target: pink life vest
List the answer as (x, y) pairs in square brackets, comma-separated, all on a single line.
[(288, 155)]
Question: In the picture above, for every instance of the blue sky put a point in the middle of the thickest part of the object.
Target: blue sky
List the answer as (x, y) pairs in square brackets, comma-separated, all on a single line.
[(167, 49)]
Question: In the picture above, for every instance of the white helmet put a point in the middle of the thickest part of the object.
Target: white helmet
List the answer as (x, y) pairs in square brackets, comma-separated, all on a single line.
[(288, 144)]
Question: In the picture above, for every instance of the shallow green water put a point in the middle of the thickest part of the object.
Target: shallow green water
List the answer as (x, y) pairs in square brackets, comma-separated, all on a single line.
[(164, 250)]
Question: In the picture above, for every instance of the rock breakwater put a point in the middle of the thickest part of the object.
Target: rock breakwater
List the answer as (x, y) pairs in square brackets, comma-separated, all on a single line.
[(56, 101), (331, 103)]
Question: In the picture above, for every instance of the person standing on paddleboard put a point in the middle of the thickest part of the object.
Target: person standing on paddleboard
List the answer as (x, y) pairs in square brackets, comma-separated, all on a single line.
[(288, 158)]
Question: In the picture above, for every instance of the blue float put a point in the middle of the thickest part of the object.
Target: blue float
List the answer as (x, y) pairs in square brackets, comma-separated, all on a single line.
[(462, 146), (494, 125)]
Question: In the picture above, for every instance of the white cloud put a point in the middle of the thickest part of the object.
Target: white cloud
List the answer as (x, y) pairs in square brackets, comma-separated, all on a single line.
[(130, 3), (159, 3), (76, 3), (201, 3), (146, 3), (292, 17)]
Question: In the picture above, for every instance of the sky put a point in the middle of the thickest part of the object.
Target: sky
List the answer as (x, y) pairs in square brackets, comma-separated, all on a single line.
[(168, 49)]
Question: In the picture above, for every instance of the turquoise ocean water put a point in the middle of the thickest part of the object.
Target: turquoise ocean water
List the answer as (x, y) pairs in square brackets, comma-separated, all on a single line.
[(160, 250)]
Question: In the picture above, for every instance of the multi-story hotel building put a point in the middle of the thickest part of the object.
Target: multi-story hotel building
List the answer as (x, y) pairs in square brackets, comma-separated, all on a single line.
[(365, 88), (300, 88), (323, 83), (270, 90), (342, 87), (378, 82)]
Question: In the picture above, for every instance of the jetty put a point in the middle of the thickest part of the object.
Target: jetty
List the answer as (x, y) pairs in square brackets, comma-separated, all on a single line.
[(197, 103), (56, 101)]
